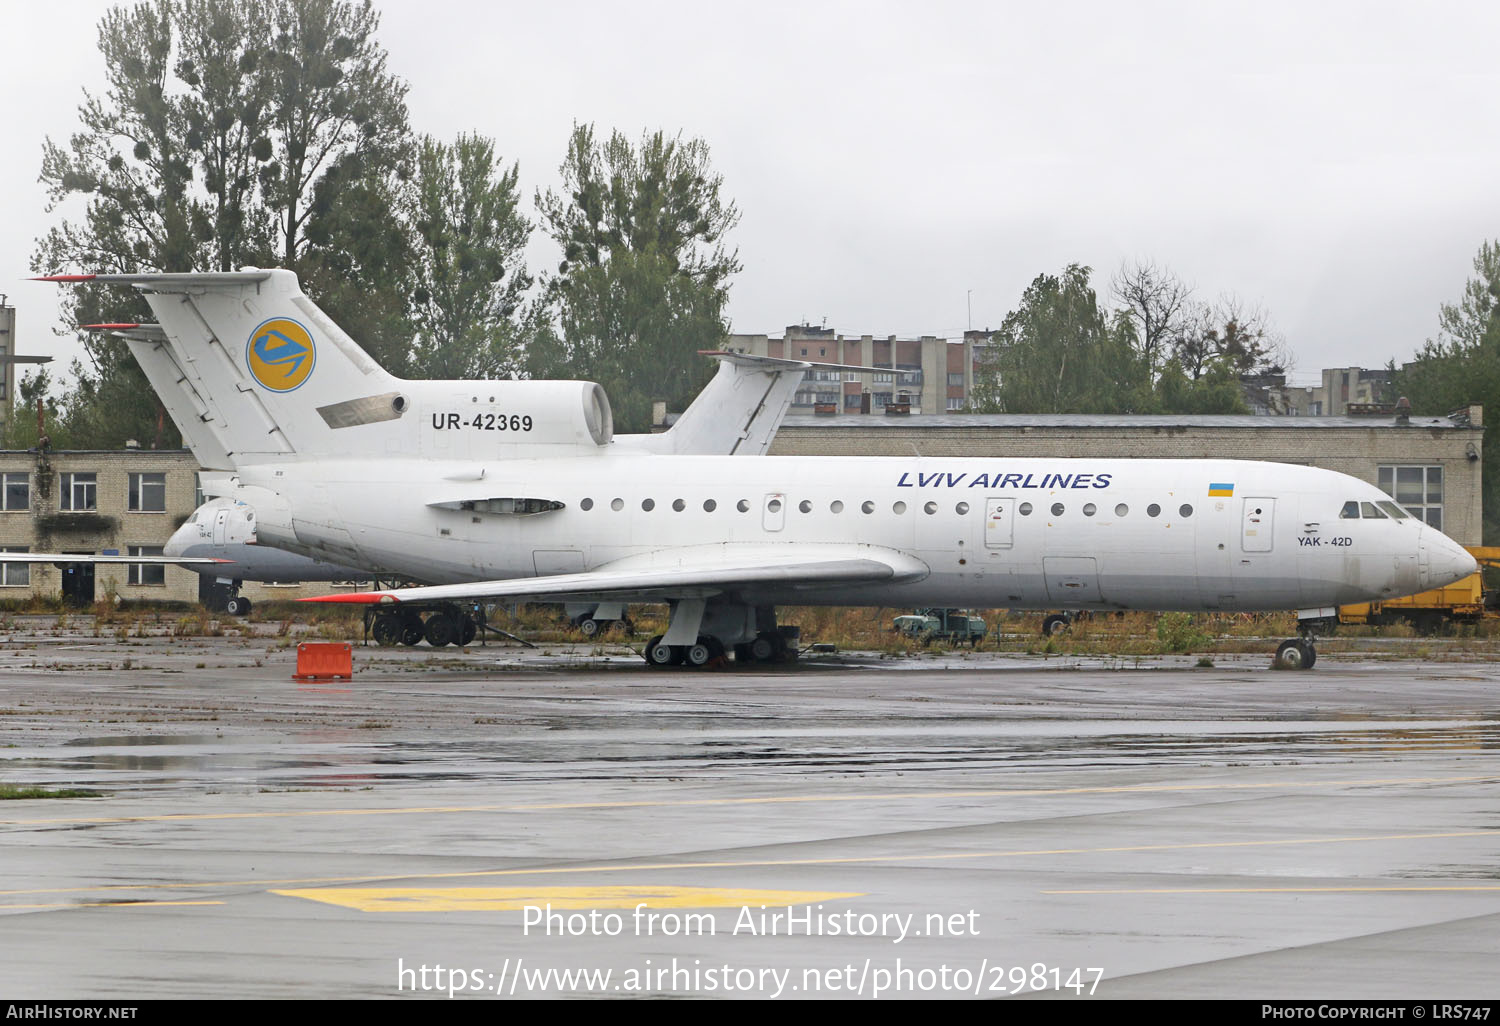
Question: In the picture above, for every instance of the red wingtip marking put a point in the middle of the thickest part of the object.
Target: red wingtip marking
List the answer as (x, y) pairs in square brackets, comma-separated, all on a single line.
[(107, 327), (367, 598), (66, 277)]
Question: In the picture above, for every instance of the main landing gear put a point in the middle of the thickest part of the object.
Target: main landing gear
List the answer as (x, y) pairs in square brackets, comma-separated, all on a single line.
[(447, 624), (703, 633)]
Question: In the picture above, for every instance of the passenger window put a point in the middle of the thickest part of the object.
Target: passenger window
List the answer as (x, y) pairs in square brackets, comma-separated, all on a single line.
[(648, 504), (836, 506), (930, 508), (1185, 510), (961, 508), (774, 505), (679, 505), (743, 505), (1089, 509), (617, 504), (1153, 510), (1057, 509), (1024, 509), (1350, 511), (805, 506), (585, 504), (1369, 512), (1121, 510), (898, 507), (709, 505), (867, 506)]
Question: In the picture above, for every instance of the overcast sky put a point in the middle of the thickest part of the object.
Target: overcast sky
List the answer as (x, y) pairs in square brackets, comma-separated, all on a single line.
[(1336, 163)]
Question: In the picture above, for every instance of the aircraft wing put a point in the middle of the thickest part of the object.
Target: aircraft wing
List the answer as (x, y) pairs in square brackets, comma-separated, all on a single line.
[(694, 572), (86, 557)]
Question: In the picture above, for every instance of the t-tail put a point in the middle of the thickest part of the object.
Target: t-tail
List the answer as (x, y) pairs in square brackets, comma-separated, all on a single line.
[(252, 372)]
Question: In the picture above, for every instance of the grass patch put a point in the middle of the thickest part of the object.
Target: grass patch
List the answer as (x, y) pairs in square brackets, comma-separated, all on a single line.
[(10, 792)]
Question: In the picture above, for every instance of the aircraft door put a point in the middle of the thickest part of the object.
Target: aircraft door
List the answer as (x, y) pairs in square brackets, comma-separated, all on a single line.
[(999, 528), (1257, 524), (1072, 581), (773, 512), (221, 526)]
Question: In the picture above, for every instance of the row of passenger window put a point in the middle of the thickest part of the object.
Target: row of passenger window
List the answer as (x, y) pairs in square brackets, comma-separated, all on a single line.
[(868, 506), (1372, 511)]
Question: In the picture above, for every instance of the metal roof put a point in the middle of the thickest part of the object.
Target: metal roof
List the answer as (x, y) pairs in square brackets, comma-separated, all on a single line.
[(1109, 420)]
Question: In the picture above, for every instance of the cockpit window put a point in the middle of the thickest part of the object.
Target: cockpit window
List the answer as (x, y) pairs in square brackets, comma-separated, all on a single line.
[(1350, 511), (1394, 510), (194, 518), (1369, 512)]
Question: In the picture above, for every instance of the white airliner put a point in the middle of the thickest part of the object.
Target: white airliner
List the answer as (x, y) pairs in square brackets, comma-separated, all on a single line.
[(515, 490)]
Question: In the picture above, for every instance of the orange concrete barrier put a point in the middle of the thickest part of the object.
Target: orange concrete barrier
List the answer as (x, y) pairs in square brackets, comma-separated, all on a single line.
[(324, 660)]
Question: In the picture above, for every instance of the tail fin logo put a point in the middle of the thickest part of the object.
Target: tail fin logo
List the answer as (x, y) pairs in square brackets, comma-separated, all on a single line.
[(280, 354)]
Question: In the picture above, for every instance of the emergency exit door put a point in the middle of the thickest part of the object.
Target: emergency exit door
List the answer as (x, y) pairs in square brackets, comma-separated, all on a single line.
[(1257, 524)]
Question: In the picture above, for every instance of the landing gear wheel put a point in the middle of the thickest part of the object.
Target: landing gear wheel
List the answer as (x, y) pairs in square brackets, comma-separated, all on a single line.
[(412, 630), (698, 654), (467, 631), (1055, 624), (237, 605), (386, 630), (440, 630), (589, 627), (1294, 654), (762, 649), (658, 654)]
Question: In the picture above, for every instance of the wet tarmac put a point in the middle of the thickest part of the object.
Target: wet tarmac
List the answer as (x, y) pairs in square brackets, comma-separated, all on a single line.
[(853, 826)]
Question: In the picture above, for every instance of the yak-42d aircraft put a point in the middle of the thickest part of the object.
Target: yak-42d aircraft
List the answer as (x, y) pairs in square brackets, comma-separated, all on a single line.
[(516, 490)]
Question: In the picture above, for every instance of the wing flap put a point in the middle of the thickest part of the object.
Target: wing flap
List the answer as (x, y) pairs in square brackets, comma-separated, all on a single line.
[(674, 574)]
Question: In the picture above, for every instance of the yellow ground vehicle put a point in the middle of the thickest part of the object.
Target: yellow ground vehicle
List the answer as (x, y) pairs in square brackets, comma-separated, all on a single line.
[(1433, 611)]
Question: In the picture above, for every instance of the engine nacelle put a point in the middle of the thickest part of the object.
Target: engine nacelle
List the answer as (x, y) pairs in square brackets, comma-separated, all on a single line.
[(481, 419)]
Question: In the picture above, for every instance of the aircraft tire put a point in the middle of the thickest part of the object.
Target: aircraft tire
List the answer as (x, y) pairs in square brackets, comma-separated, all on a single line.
[(440, 630), (412, 630), (1312, 655), (1054, 625), (237, 605), (658, 654), (1293, 655), (467, 630), (386, 630), (697, 655), (589, 627)]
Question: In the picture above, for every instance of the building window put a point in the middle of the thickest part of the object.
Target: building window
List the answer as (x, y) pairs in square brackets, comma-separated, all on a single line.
[(1419, 489), (147, 573), (15, 495), (197, 489), (148, 493), (956, 380), (79, 492), (955, 402), (15, 575)]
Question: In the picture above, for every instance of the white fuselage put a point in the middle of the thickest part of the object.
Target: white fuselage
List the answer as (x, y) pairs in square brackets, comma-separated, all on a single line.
[(1023, 533)]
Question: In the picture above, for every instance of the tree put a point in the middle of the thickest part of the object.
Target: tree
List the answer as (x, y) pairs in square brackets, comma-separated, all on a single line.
[(1227, 332), (232, 132), (644, 277), (1060, 353), (1462, 366), (1158, 304), (469, 278)]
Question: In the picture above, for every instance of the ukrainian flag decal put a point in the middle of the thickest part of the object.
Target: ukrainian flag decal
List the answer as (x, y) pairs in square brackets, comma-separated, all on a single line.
[(1218, 488), (280, 354)]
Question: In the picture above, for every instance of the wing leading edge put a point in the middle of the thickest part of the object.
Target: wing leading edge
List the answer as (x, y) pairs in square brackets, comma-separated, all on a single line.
[(679, 573)]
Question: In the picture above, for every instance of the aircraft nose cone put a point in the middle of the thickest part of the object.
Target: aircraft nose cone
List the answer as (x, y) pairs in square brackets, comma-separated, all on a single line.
[(1447, 561), (178, 543)]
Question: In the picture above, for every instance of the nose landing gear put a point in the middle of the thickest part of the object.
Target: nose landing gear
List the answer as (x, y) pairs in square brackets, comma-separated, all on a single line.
[(1295, 654)]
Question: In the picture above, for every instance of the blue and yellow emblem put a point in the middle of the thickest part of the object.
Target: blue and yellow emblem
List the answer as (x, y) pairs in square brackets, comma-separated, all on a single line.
[(1219, 488), (280, 354)]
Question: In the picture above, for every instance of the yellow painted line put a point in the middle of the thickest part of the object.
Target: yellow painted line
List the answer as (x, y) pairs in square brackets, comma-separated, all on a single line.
[(510, 899), (849, 860), (685, 803), (1286, 890), (105, 904)]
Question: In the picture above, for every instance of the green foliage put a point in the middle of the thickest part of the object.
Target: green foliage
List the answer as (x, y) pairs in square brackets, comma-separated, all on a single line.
[(469, 282), (1178, 632), (232, 132), (1217, 391), (1462, 366), (644, 277), (1059, 352)]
